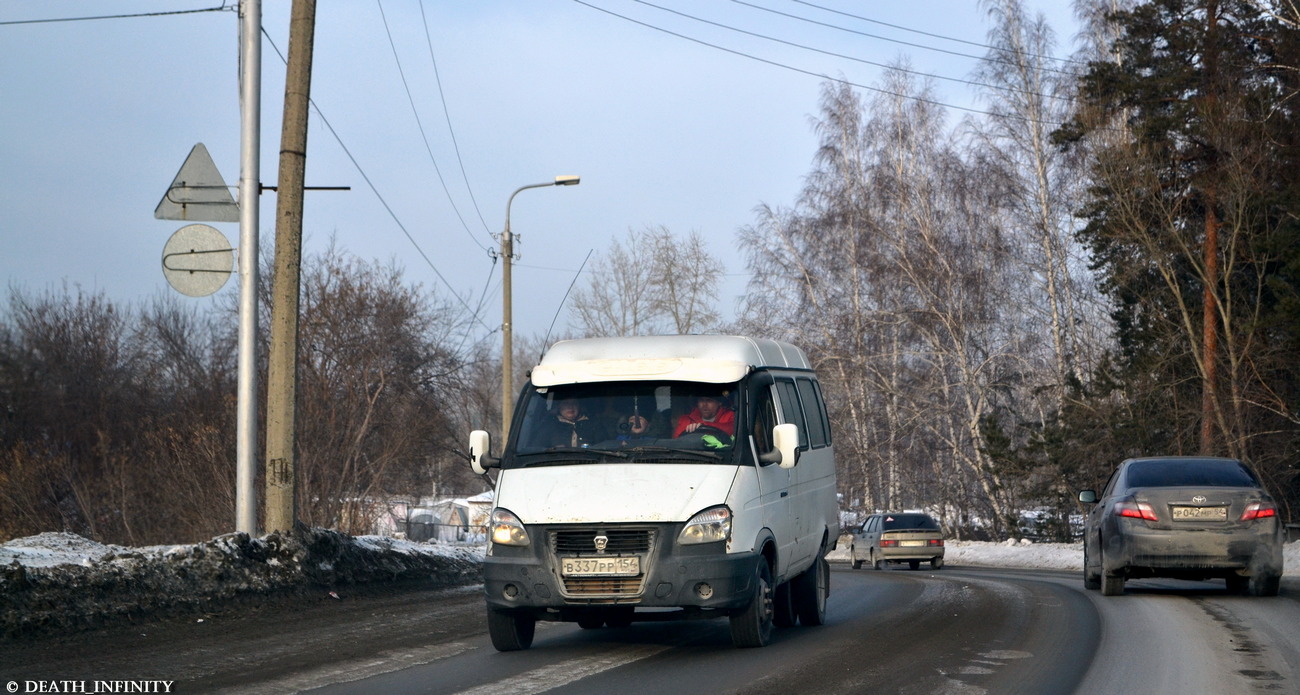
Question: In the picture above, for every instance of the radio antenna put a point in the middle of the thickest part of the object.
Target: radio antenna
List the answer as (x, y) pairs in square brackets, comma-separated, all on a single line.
[(547, 340)]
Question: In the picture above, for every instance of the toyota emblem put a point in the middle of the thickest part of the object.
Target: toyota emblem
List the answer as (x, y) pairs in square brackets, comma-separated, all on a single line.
[(1199, 499)]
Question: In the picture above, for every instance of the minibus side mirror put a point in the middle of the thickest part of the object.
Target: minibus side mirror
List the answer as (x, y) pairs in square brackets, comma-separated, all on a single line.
[(480, 447), (786, 438)]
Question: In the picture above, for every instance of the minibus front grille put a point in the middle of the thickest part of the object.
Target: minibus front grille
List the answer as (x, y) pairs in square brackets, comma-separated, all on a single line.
[(587, 541), (603, 587), (582, 541)]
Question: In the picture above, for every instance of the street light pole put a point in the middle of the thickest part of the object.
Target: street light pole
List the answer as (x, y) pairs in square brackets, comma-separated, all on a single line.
[(507, 253), (250, 177)]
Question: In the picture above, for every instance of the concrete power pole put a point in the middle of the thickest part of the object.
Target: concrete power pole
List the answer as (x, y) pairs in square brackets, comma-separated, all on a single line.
[(282, 374)]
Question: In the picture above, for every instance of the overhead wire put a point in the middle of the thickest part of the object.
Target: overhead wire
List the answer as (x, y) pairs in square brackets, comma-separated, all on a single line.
[(380, 197), (222, 8), (474, 313), (420, 124), (482, 300), (893, 40), (447, 113), (843, 56), (791, 68), (921, 32)]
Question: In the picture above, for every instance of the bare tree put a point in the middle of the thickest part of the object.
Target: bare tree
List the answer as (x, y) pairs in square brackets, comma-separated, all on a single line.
[(685, 281), (1030, 93), (647, 283), (890, 272), (377, 373), (74, 402), (617, 299)]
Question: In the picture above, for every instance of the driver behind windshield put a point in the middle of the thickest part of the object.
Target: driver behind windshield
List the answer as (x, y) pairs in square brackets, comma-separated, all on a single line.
[(569, 426), (711, 411)]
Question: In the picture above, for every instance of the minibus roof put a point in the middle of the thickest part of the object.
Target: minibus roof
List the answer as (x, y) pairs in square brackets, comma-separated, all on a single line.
[(717, 359)]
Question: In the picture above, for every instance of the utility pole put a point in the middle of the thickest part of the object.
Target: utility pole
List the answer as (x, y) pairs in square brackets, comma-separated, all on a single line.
[(282, 375), (507, 342)]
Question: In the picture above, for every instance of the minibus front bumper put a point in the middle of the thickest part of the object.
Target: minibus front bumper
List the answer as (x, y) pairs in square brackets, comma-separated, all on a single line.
[(568, 568)]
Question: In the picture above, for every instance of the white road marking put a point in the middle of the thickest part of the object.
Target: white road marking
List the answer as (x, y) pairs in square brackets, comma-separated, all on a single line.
[(557, 675), (348, 672)]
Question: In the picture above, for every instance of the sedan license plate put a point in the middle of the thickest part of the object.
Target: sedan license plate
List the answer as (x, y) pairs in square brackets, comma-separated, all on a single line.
[(629, 566), (1200, 513), (911, 544)]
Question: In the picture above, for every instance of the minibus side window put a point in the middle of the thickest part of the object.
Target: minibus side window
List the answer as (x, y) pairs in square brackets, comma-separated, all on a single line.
[(791, 410), (764, 421), (821, 405), (812, 404)]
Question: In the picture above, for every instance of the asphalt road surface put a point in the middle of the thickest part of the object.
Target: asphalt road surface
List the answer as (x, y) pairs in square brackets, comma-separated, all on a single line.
[(957, 630)]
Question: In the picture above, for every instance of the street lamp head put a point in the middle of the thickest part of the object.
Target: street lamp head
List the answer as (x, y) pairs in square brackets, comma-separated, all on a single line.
[(567, 180)]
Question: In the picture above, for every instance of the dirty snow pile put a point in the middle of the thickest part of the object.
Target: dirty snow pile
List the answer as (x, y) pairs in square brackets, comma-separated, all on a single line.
[(64, 581), (1023, 553), (1029, 555)]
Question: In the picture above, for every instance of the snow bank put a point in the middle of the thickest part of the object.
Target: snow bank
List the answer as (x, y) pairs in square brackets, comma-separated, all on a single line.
[(60, 581), (63, 581), (1029, 555), (1054, 556)]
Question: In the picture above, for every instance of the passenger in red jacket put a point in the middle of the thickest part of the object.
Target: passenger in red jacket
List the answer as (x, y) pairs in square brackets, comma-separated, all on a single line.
[(710, 411)]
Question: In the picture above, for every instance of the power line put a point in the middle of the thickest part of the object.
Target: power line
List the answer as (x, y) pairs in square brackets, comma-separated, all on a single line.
[(428, 39), (420, 124), (447, 113), (810, 73), (382, 201), (846, 57), (908, 29), (437, 169), (892, 40), (473, 313), (115, 16)]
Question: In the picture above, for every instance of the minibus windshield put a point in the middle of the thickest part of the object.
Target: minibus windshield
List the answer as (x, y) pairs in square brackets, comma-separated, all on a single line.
[(627, 420)]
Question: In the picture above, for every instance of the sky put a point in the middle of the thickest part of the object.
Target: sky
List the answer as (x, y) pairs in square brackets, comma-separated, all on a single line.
[(670, 121)]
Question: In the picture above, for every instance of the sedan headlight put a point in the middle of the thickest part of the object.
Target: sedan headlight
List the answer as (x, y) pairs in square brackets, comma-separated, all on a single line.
[(709, 526), (507, 529)]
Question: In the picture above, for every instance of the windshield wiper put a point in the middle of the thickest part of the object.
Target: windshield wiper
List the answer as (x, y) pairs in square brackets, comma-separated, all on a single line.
[(566, 453), (669, 451)]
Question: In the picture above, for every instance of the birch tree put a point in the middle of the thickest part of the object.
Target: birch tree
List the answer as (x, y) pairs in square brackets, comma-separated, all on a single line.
[(648, 283), (889, 269)]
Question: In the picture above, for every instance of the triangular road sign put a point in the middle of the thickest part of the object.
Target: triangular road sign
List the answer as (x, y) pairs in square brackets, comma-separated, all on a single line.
[(198, 194)]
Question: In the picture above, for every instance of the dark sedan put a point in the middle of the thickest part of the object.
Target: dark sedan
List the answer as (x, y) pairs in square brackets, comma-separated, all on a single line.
[(1183, 517)]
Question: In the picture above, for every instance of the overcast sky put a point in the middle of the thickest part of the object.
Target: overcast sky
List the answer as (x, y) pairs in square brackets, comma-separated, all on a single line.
[(98, 115)]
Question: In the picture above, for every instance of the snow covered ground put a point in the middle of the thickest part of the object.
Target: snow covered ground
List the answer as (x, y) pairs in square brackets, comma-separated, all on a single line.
[(63, 581), (1053, 556), (56, 581), (55, 549)]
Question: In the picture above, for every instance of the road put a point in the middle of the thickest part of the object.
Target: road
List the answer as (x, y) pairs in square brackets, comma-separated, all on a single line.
[(958, 630)]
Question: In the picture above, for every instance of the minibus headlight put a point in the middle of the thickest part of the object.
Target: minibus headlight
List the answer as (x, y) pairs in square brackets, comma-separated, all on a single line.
[(709, 526), (507, 529)]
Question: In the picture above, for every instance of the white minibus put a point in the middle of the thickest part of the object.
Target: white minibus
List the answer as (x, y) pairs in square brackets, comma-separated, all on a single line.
[(662, 478)]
